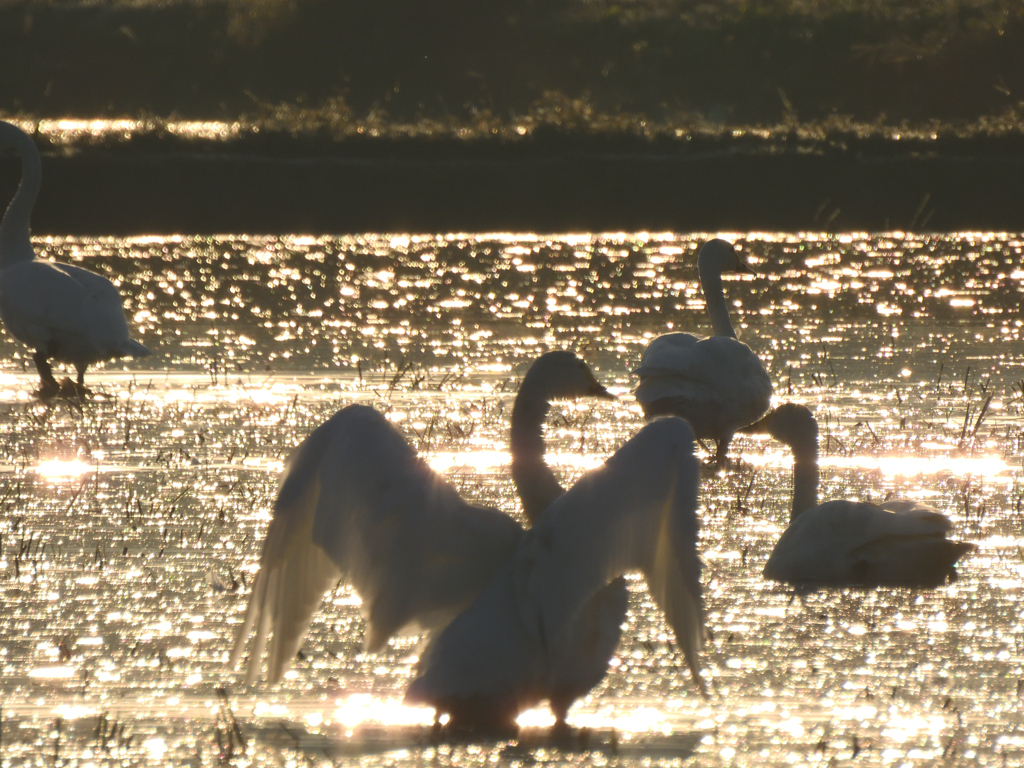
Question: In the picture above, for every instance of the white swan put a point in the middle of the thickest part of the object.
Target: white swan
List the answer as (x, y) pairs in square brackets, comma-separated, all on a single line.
[(601, 619), (356, 502), (851, 543), (60, 311), (716, 383), (513, 646)]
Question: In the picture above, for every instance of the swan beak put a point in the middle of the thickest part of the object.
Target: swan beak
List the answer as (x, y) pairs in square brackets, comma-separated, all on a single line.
[(746, 269), (759, 427), (598, 390)]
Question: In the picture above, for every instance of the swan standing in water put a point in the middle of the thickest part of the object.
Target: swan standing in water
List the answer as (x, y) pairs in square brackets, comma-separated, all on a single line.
[(356, 502), (716, 383), (526, 632), (61, 311), (852, 543)]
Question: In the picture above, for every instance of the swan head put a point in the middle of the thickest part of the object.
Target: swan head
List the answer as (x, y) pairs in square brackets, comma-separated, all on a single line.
[(722, 257), (8, 134), (791, 424), (562, 376)]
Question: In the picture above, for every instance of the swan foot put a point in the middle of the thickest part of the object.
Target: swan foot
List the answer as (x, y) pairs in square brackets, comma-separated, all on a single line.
[(73, 390), (47, 391), (476, 720), (715, 468), (564, 738), (65, 388)]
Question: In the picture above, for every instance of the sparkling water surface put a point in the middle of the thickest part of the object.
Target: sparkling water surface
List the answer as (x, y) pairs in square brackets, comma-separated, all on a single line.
[(130, 528)]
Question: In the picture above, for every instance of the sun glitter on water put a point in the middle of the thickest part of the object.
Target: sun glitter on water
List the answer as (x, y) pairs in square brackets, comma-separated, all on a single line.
[(59, 469)]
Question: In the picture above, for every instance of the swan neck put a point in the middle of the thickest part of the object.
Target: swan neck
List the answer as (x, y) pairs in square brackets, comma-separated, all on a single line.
[(15, 243), (805, 483), (535, 483), (714, 297)]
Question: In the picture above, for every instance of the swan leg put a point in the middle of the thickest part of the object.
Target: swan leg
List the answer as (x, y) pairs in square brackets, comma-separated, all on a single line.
[(721, 461), (78, 389), (49, 387), (481, 718), (560, 709)]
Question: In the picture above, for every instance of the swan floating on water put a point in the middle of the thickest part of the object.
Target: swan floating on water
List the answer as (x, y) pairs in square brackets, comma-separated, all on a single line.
[(357, 503), (898, 543), (61, 311), (716, 383)]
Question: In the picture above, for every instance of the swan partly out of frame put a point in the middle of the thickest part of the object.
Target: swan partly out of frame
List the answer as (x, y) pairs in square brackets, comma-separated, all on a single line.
[(842, 543), (716, 383), (62, 312), (357, 503), (510, 648)]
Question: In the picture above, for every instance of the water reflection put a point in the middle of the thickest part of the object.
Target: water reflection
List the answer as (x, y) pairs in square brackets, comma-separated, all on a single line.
[(125, 566)]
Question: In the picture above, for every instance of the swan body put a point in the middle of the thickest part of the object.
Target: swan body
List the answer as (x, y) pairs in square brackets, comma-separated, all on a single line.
[(899, 543), (357, 503), (61, 311), (511, 647), (601, 619), (716, 383)]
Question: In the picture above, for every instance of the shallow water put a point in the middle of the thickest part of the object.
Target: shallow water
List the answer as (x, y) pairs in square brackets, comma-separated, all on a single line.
[(131, 528)]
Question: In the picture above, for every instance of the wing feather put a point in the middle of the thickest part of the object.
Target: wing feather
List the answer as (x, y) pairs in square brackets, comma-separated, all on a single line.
[(851, 542), (717, 383), (534, 621), (356, 503), (79, 310), (636, 512)]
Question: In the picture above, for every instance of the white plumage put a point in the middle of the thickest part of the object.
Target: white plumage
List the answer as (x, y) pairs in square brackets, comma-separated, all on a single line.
[(853, 543), (716, 383), (515, 643), (62, 312), (357, 503)]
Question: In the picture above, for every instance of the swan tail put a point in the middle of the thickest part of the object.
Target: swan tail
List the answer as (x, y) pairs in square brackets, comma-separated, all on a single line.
[(132, 348), (909, 561)]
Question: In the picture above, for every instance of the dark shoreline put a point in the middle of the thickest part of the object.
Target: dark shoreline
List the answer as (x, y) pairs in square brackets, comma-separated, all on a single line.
[(460, 115), (558, 186)]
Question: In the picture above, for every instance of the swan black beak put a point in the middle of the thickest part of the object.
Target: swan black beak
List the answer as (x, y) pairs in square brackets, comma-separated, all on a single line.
[(759, 427), (597, 389)]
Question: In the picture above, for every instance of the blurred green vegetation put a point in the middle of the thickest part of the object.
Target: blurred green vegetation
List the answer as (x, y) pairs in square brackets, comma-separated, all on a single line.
[(506, 68)]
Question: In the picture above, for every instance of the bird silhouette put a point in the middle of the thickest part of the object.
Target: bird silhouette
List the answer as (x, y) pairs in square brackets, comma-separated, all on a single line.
[(839, 543), (716, 383), (62, 312)]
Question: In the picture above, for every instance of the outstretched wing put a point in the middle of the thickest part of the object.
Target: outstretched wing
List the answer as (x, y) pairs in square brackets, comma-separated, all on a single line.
[(637, 512), (356, 503), (535, 620)]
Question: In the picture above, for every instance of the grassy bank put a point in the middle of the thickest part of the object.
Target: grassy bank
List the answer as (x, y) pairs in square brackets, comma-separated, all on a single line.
[(483, 68), (345, 116)]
